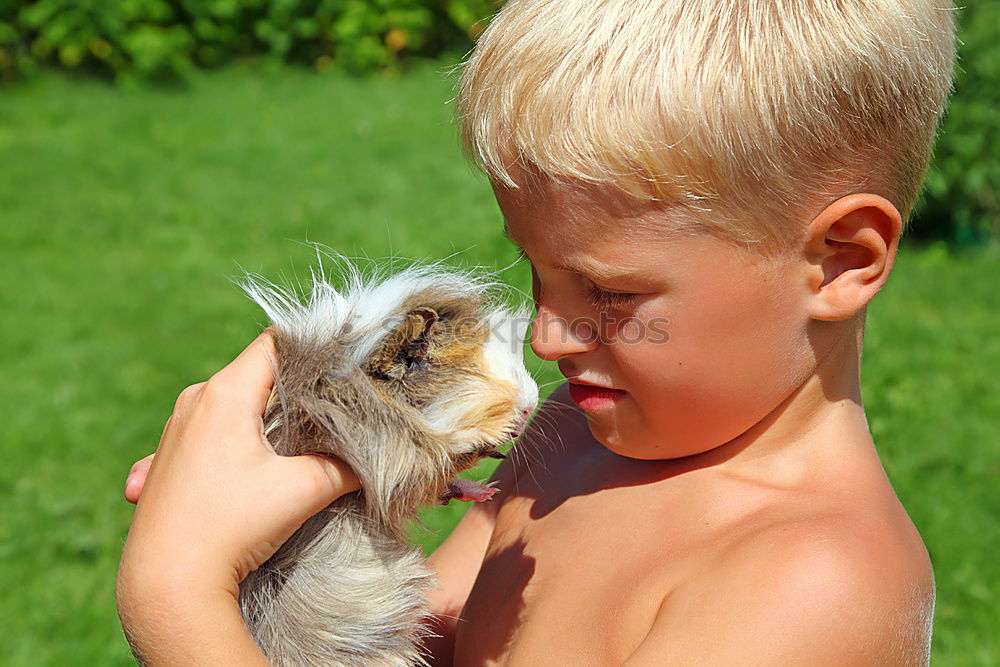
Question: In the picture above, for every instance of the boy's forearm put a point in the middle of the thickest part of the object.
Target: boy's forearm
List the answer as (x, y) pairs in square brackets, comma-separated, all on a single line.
[(186, 630)]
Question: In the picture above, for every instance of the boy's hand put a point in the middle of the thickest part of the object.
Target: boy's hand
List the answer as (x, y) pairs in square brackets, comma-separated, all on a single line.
[(217, 501), (136, 479)]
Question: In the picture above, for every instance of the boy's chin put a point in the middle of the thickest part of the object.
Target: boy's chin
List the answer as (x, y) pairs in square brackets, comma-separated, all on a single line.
[(643, 445), (630, 445)]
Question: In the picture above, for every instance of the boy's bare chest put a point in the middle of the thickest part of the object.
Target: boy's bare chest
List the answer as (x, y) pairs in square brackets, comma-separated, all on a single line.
[(575, 579)]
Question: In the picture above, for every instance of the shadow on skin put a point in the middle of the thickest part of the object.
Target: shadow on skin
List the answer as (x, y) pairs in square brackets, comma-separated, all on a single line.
[(496, 603), (561, 424), (586, 467)]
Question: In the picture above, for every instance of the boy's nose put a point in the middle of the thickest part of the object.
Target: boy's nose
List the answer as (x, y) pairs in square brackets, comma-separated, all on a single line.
[(554, 337)]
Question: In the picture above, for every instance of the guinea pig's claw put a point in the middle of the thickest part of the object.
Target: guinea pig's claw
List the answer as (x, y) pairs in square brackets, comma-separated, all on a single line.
[(468, 491), (496, 455)]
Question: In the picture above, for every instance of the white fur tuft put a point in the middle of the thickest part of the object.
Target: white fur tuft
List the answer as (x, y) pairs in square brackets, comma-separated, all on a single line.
[(365, 306)]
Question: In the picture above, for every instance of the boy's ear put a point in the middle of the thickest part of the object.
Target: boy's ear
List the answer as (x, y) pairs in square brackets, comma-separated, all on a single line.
[(850, 248)]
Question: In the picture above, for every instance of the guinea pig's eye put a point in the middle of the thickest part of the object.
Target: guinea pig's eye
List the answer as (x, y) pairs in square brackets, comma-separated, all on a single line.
[(416, 363), (405, 349)]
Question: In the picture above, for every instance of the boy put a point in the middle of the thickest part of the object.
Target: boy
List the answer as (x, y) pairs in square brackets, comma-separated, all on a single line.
[(709, 194)]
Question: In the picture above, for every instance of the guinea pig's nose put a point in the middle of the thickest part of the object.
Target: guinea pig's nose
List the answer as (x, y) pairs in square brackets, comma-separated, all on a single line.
[(522, 422)]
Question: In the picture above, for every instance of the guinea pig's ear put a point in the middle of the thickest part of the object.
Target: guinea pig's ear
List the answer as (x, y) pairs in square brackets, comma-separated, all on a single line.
[(405, 348)]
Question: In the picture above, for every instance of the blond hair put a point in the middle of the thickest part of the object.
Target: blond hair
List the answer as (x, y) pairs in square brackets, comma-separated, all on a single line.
[(747, 113)]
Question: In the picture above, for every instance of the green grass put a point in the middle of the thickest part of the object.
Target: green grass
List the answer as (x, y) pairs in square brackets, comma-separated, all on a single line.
[(931, 384), (124, 215)]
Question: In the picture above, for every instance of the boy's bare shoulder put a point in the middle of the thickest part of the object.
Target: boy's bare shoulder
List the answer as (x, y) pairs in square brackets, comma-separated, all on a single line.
[(833, 588), (814, 578), (798, 575)]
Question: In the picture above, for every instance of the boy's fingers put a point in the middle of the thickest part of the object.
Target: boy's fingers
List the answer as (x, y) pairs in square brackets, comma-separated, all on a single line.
[(144, 462), (330, 478), (252, 373), (137, 478)]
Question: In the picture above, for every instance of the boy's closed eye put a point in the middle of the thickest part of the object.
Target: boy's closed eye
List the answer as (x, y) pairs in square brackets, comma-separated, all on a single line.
[(600, 297), (606, 299)]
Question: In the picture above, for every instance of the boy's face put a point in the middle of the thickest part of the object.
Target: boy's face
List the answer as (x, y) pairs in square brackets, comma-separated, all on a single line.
[(702, 339)]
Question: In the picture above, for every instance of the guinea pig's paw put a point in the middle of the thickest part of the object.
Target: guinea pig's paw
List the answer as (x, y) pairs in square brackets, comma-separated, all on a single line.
[(468, 491)]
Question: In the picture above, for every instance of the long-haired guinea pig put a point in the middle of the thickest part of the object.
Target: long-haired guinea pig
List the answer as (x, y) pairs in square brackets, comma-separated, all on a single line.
[(410, 378)]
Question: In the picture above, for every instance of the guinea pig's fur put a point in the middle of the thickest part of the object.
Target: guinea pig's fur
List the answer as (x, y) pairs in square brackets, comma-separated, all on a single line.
[(410, 378)]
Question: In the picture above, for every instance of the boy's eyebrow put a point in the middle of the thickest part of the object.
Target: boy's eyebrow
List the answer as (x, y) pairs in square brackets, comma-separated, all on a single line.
[(593, 269)]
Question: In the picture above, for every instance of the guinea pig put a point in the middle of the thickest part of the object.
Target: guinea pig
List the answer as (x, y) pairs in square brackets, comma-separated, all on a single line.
[(410, 378)]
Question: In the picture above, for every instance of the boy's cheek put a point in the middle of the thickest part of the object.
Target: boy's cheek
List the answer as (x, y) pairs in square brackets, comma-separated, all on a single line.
[(694, 398)]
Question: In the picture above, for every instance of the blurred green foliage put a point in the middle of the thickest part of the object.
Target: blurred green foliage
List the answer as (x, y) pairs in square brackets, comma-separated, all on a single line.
[(154, 40), (127, 213), (165, 39), (960, 202)]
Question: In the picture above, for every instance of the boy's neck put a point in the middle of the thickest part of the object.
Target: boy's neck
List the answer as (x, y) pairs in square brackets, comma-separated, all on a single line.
[(821, 417)]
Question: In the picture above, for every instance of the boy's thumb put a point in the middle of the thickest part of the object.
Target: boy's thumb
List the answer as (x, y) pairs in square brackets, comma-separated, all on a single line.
[(322, 479)]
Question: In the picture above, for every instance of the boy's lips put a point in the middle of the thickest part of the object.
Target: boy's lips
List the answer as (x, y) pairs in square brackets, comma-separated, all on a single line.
[(593, 397)]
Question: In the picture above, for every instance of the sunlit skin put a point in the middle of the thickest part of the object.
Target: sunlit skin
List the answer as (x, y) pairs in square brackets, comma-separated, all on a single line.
[(730, 508), (727, 508), (737, 340)]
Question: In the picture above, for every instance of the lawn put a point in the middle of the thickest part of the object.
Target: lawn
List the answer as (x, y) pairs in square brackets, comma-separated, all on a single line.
[(126, 214)]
